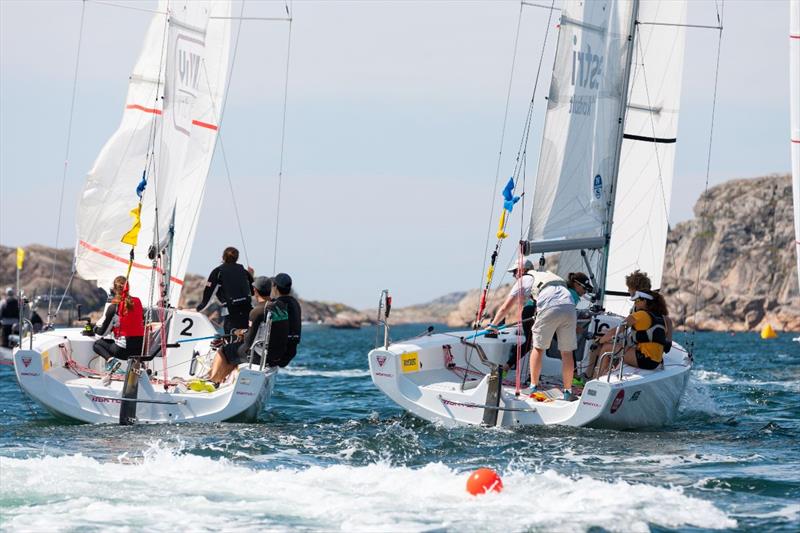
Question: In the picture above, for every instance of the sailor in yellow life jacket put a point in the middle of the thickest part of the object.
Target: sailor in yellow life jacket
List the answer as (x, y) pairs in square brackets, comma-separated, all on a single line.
[(650, 336)]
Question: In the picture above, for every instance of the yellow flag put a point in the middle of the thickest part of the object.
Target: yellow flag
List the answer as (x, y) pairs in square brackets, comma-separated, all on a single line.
[(132, 236), (20, 258)]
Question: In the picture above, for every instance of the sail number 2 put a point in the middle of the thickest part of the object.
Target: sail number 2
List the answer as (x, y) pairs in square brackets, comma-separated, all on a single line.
[(587, 68)]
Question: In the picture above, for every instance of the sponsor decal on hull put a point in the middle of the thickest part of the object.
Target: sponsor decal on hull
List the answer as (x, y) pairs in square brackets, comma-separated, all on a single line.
[(410, 362), (31, 374), (381, 359), (591, 404), (245, 393), (384, 375), (458, 404), (26, 360), (618, 399), (98, 399), (635, 396)]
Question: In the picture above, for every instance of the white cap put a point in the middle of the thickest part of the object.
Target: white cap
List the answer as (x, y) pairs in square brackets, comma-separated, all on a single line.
[(639, 295), (528, 265)]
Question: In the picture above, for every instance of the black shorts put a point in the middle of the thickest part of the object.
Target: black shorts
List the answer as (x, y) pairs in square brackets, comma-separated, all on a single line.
[(642, 361), (234, 353)]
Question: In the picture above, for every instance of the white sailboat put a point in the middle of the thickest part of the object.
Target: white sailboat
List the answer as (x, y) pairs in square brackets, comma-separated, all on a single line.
[(601, 199), (794, 105), (165, 144)]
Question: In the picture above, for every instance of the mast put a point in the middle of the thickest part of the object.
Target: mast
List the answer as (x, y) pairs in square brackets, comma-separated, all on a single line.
[(601, 277)]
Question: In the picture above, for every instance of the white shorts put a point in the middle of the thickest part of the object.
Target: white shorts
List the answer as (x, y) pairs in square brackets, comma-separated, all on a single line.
[(561, 320)]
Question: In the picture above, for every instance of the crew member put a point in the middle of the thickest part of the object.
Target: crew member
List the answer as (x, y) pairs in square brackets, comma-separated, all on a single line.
[(555, 315), (231, 355), (124, 322), (281, 291), (9, 315), (233, 285), (649, 335), (520, 290)]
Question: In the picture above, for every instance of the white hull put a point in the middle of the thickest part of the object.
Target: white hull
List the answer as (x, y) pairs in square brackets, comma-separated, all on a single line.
[(426, 387), (43, 373)]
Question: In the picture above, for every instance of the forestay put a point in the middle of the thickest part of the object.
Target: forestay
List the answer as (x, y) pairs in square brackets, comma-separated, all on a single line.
[(169, 128), (580, 140), (644, 182)]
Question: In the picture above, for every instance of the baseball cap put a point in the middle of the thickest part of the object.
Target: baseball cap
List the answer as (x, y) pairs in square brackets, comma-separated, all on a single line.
[(528, 265), (263, 285), (283, 281)]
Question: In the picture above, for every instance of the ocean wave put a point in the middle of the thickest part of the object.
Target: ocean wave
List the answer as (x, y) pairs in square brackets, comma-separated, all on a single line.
[(305, 371), (165, 486), (718, 378)]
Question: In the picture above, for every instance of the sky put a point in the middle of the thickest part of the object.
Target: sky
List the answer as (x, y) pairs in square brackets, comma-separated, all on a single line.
[(394, 120)]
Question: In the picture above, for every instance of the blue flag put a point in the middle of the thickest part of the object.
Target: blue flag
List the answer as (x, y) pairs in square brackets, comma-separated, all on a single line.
[(142, 185), (508, 195)]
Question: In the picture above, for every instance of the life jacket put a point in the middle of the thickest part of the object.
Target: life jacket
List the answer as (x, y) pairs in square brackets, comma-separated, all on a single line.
[(656, 333), (131, 321), (234, 284), (295, 324), (542, 279)]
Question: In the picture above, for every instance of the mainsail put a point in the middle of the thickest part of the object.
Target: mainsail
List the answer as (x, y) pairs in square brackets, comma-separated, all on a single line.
[(167, 136), (577, 162), (794, 98), (590, 171)]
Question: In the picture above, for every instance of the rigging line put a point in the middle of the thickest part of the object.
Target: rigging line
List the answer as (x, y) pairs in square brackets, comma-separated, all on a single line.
[(270, 19), (701, 26), (543, 6), (283, 141), (123, 6), (64, 294), (703, 217), (529, 121), (502, 142), (218, 120), (66, 160)]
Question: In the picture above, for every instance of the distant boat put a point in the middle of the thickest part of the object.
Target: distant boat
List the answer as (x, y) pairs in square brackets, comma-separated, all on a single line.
[(607, 155), (167, 135)]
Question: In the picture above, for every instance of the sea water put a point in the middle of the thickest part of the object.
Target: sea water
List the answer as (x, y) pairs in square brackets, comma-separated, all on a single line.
[(332, 453)]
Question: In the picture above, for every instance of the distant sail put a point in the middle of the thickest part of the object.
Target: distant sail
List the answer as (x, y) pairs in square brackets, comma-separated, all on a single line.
[(794, 99), (172, 65), (644, 184)]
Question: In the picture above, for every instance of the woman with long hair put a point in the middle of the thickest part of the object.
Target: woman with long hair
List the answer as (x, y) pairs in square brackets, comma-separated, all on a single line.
[(123, 325)]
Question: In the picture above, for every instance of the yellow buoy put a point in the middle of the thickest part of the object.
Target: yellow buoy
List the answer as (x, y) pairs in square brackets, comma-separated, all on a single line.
[(768, 333)]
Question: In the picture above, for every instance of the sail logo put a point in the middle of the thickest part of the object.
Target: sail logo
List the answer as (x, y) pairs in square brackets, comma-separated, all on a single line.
[(587, 67), (187, 66), (597, 187)]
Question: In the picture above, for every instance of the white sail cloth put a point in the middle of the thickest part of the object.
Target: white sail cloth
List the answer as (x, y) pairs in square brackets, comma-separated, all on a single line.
[(169, 128), (584, 107), (644, 183), (794, 98)]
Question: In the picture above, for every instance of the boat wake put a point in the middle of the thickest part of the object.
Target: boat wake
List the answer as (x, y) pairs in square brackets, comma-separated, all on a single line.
[(305, 371), (165, 486)]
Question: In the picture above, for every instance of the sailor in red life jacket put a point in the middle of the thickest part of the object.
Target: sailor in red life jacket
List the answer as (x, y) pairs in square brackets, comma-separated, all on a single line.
[(122, 326)]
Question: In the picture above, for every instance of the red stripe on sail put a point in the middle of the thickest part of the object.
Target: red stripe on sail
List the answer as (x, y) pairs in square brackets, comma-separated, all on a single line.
[(796, 141), (142, 108), (204, 125), (122, 260), (794, 36)]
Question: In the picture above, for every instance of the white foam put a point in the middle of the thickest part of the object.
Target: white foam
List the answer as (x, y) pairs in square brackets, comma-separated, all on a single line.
[(718, 378), (166, 489), (697, 398), (304, 371)]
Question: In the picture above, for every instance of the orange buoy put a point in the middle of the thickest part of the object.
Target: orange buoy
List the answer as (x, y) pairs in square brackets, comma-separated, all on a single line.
[(484, 480)]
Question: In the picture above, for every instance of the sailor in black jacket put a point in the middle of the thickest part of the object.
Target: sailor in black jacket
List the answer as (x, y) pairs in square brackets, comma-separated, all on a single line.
[(282, 290), (233, 285)]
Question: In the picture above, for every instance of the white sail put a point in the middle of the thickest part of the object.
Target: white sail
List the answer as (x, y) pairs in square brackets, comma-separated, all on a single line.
[(794, 98), (171, 65), (205, 121), (579, 145), (644, 183)]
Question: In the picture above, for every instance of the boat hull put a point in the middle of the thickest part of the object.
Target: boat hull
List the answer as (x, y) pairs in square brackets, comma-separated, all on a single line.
[(45, 370), (441, 379)]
